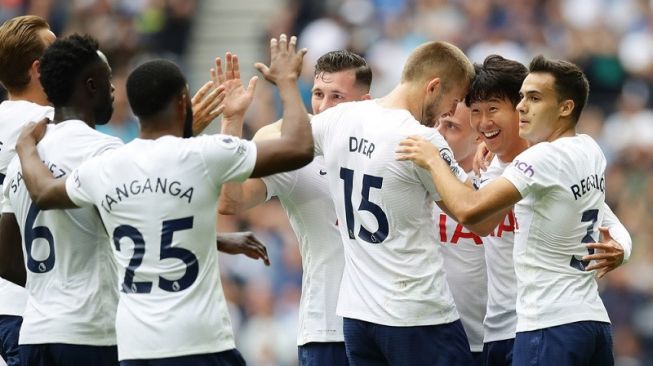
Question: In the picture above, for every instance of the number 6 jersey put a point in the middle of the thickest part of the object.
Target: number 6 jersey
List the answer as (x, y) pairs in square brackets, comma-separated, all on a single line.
[(393, 269), (158, 201), (70, 269)]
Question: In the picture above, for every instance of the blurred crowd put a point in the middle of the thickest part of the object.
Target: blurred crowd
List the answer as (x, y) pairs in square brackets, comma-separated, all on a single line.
[(611, 39)]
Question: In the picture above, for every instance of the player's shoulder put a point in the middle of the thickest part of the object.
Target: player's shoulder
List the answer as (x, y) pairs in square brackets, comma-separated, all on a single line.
[(15, 114)]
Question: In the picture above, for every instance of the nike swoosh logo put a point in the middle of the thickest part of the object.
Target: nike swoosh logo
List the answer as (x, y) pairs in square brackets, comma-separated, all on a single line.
[(322, 172)]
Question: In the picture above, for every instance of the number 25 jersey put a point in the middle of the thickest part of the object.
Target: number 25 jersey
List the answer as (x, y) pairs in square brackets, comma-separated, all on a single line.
[(158, 201)]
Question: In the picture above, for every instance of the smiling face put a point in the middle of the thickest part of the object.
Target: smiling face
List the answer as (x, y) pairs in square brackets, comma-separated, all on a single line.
[(539, 108), (333, 88), (497, 121)]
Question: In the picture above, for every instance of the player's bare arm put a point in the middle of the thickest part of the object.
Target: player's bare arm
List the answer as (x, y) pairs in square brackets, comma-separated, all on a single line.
[(46, 191), (294, 148), (245, 243), (12, 267), (615, 247), (236, 197), (468, 206)]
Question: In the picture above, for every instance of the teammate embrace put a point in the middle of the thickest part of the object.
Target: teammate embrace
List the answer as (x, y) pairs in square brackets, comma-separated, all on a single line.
[(126, 270)]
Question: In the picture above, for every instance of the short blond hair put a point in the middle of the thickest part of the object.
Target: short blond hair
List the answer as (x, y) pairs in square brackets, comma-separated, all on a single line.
[(438, 59), (20, 46)]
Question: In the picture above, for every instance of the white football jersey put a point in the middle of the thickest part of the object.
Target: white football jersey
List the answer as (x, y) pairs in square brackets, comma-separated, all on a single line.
[(13, 117), (393, 269), (158, 201), (563, 188), (71, 273), (464, 262), (501, 315), (304, 195)]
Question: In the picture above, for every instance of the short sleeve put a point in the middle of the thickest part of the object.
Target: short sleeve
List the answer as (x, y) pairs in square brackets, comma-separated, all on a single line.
[(533, 170), (80, 183), (227, 158), (280, 185)]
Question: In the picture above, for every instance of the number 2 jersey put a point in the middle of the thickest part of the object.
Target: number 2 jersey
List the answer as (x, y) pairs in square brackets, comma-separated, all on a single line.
[(158, 201), (563, 188), (70, 268), (14, 114), (393, 270)]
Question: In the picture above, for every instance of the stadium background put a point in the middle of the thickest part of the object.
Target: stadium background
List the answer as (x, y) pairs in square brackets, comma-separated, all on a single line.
[(611, 39)]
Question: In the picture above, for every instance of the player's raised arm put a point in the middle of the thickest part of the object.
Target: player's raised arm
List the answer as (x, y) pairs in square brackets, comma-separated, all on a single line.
[(46, 191), (294, 148), (235, 197)]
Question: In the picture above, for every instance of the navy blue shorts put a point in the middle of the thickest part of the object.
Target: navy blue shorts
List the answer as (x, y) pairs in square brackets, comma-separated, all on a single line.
[(59, 354), (575, 344), (434, 345), (498, 353), (322, 354), (477, 359), (9, 330), (225, 358)]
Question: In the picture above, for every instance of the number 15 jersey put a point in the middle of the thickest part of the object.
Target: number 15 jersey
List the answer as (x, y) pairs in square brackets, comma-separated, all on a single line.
[(158, 201), (393, 270)]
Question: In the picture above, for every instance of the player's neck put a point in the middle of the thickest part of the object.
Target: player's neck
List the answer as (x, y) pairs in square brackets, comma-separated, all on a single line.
[(467, 164), (564, 129), (31, 94), (401, 97), (153, 129), (515, 149), (67, 113)]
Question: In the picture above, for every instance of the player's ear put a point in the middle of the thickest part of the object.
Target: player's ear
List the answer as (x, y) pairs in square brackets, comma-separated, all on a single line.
[(566, 108), (433, 86)]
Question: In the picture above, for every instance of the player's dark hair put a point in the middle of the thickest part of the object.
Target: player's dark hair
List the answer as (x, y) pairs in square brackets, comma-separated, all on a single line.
[(152, 85), (497, 78), (342, 60), (570, 81), (20, 46), (63, 62)]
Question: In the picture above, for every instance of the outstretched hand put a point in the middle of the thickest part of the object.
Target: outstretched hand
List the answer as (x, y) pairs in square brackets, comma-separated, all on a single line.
[(243, 243), (206, 104), (285, 60), (237, 97), (608, 254), (419, 150), (32, 133)]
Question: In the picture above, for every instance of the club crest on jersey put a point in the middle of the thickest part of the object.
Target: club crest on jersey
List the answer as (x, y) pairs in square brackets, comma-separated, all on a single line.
[(447, 156)]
